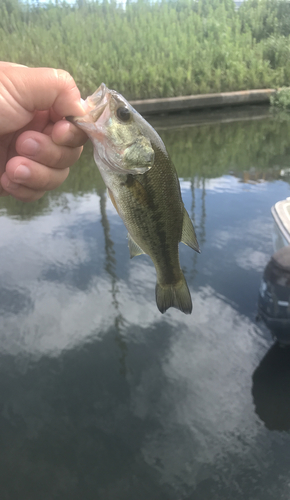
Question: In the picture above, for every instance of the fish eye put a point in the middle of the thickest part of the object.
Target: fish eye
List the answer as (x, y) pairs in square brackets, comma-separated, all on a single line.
[(123, 114)]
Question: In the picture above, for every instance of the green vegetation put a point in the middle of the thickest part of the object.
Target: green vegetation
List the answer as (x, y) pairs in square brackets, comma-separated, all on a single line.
[(151, 49), (210, 151), (282, 98)]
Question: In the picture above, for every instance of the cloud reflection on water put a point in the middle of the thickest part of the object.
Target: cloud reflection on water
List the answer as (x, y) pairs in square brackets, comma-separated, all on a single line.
[(178, 404), (62, 266)]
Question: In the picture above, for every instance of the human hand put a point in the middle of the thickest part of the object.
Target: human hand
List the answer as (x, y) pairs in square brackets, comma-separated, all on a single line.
[(37, 146)]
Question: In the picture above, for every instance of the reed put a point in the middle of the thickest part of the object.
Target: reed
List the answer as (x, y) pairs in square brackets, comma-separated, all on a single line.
[(153, 49)]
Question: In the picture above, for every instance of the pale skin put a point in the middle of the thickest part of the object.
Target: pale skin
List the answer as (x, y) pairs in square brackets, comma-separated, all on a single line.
[(37, 145)]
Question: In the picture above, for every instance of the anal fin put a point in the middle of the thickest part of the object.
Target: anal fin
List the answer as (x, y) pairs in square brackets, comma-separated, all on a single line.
[(188, 236)]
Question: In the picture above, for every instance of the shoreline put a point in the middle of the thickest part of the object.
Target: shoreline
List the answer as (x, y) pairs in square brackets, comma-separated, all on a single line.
[(202, 101), (209, 116)]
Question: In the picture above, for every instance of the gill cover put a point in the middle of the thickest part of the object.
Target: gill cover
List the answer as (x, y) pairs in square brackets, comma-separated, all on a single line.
[(119, 142)]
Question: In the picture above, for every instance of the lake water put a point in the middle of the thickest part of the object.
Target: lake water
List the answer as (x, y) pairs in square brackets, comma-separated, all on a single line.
[(104, 398)]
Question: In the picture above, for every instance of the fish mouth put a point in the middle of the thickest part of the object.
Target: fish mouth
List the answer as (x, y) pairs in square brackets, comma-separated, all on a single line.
[(98, 96), (94, 106)]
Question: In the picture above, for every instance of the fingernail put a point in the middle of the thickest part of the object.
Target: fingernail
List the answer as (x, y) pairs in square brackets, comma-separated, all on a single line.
[(84, 105), (22, 173), (68, 135), (30, 147)]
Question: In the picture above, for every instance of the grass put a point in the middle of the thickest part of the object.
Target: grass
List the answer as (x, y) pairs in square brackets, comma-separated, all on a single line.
[(153, 49)]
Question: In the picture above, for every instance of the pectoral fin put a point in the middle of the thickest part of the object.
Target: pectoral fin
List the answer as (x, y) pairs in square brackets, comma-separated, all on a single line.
[(133, 247), (188, 233), (112, 198)]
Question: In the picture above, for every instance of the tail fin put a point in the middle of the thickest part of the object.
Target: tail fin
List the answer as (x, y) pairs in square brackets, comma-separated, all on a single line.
[(177, 296)]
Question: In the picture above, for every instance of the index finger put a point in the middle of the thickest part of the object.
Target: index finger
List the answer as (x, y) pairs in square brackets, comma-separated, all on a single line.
[(40, 89)]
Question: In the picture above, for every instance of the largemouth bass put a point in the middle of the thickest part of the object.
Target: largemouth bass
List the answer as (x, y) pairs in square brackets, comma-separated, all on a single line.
[(144, 188)]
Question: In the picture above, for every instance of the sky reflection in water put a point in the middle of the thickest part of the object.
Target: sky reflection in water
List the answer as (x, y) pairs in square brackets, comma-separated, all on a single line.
[(102, 397)]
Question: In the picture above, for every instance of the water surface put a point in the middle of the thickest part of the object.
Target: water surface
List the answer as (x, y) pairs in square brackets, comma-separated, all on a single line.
[(101, 396)]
